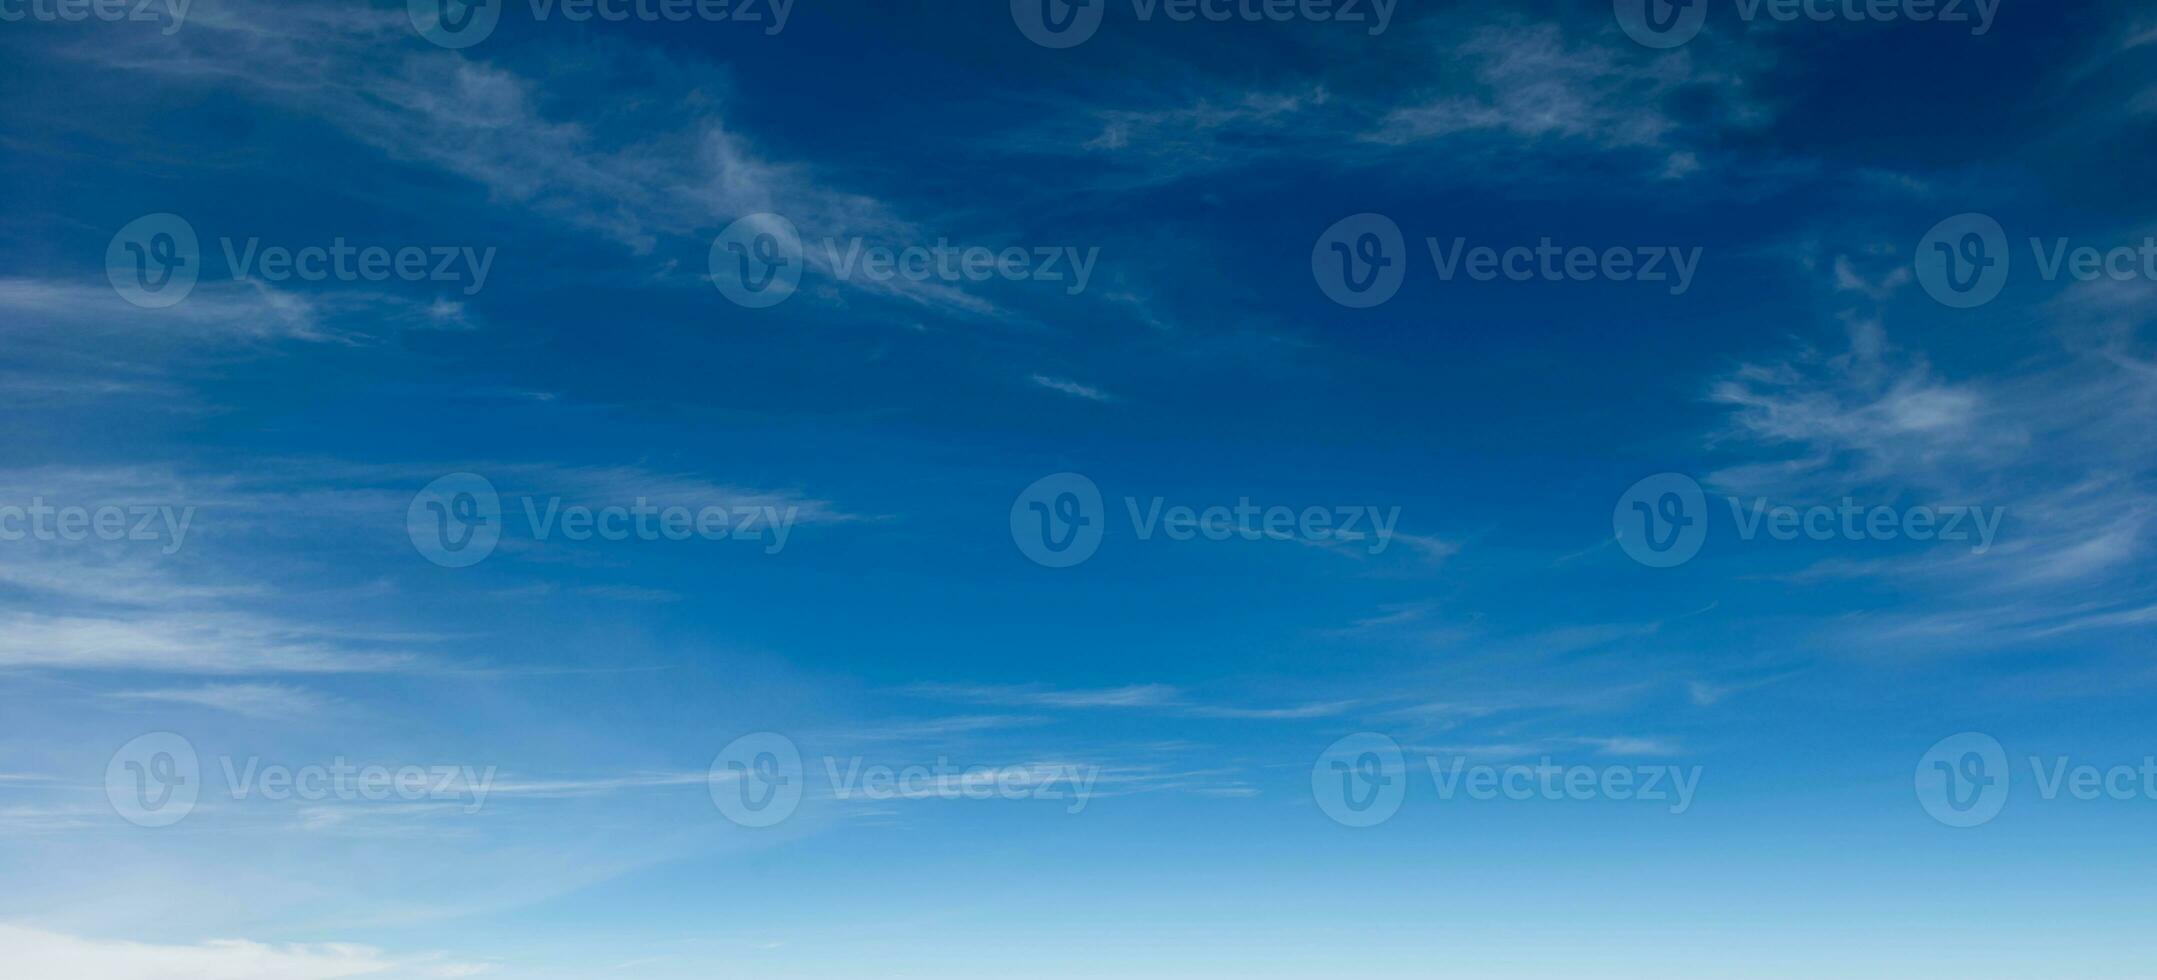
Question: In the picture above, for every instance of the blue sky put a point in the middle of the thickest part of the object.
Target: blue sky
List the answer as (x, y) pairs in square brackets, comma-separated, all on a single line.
[(1158, 712)]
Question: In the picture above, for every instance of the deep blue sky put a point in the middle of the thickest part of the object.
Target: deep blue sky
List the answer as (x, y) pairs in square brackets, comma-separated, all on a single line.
[(1807, 361)]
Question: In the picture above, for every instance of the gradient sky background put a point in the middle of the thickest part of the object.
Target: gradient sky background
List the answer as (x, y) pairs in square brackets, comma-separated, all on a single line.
[(1202, 365)]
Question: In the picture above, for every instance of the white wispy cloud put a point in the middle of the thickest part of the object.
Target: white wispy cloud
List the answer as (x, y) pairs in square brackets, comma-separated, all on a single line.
[(1535, 83), (1072, 388), (1490, 701), (1631, 745), (1129, 696), (112, 605), (1707, 693), (2054, 443), (68, 344), (273, 701), (1606, 745), (1484, 84), (152, 605), (1860, 415), (1429, 547), (1393, 614), (185, 642), (1151, 697), (594, 785), (28, 952), (929, 729), (2048, 445), (1847, 278), (215, 308), (684, 174), (1318, 709), (601, 485)]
